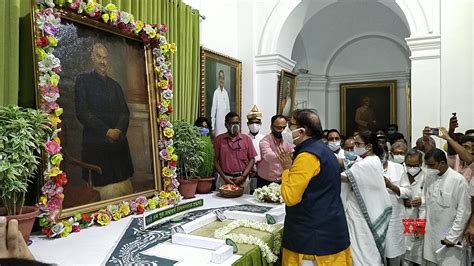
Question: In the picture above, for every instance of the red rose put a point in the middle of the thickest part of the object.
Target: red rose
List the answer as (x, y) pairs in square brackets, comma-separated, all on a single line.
[(172, 164), (86, 218), (47, 231), (42, 41), (61, 180), (170, 84), (170, 109), (140, 209), (76, 228)]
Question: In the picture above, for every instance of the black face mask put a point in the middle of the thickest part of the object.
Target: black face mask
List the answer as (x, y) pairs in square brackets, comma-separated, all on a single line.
[(277, 134)]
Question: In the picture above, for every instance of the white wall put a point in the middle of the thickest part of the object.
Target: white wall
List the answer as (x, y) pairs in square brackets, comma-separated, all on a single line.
[(457, 63)]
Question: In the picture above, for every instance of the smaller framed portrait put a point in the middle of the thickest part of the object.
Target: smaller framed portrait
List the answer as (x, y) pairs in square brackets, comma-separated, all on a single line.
[(367, 105), (221, 79), (286, 93)]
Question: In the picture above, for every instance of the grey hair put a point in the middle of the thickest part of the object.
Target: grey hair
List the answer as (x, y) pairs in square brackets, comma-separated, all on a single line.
[(98, 46), (432, 142), (398, 144), (415, 152)]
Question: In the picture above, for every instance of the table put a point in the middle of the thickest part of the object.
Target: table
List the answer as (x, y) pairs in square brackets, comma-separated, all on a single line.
[(93, 246)]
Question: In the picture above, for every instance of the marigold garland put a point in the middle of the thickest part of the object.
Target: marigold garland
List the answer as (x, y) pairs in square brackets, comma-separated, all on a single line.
[(47, 22)]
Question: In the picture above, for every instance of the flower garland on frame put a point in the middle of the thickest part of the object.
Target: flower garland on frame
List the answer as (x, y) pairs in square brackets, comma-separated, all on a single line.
[(47, 21), (267, 253)]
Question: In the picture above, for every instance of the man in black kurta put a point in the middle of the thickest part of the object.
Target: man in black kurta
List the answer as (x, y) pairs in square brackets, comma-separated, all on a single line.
[(104, 114)]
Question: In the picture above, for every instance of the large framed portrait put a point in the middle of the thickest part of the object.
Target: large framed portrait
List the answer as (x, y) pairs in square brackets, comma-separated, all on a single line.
[(286, 93), (367, 105), (108, 128), (221, 79)]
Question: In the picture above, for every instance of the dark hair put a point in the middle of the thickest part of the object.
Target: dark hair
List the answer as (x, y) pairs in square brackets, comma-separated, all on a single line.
[(469, 131), (370, 137), (347, 139), (275, 117), (201, 120), (466, 139), (230, 115), (220, 71), (393, 125), (333, 130), (392, 138), (382, 129), (437, 154), (415, 153), (309, 120)]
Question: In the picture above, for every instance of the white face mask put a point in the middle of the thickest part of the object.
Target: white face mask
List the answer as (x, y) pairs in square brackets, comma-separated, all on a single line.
[(234, 129), (413, 171), (398, 158), (334, 145), (287, 135), (254, 128), (432, 172), (360, 151)]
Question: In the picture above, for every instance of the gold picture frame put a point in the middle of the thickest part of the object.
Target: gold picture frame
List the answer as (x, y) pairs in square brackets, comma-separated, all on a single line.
[(286, 102), (367, 105), (212, 63), (131, 66)]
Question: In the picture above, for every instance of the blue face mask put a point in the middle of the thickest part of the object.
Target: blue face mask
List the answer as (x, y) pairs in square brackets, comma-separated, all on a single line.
[(350, 155), (277, 134), (204, 131)]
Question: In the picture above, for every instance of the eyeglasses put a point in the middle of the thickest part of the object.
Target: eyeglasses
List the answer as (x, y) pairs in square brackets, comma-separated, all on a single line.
[(359, 144)]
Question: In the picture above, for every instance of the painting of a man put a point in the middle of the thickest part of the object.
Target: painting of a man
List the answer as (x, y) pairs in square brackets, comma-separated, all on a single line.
[(286, 100), (286, 96), (220, 106), (102, 110), (365, 116)]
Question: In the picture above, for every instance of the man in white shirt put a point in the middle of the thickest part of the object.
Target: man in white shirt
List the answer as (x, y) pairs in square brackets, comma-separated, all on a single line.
[(446, 208), (411, 191), (254, 123), (220, 107), (397, 152)]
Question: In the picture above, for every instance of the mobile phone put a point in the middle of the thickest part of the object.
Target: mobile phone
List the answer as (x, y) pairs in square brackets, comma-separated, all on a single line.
[(434, 131)]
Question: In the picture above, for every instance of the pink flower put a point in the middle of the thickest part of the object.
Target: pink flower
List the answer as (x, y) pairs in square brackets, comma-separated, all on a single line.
[(76, 228), (50, 29), (164, 28), (164, 154), (48, 106), (52, 147), (54, 203), (57, 69), (142, 201)]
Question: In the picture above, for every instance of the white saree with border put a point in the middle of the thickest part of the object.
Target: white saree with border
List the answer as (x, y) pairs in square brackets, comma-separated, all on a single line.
[(368, 211)]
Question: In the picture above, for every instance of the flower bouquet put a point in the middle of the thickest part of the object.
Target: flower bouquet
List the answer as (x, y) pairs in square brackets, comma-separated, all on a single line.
[(270, 193)]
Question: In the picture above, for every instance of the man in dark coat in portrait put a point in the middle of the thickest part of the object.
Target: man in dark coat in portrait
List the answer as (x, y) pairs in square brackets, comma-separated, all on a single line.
[(104, 114)]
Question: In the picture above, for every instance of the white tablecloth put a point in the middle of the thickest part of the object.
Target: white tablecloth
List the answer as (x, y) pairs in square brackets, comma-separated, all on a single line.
[(93, 245)]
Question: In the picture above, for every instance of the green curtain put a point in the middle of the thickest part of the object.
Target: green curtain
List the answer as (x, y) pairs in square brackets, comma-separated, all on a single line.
[(16, 54), (183, 24), (9, 52)]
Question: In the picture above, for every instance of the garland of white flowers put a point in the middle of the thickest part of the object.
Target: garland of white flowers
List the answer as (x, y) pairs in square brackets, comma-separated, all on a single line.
[(267, 253)]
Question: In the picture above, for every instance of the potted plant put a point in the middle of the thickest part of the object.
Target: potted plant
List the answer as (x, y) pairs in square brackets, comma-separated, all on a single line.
[(188, 146), (207, 167), (22, 136)]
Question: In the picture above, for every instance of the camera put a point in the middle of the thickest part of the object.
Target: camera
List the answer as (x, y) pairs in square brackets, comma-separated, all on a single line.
[(434, 131)]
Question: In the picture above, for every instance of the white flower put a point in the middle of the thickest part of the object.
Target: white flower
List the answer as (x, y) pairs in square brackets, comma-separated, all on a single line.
[(57, 229), (44, 79), (148, 28), (271, 193), (125, 17), (49, 63)]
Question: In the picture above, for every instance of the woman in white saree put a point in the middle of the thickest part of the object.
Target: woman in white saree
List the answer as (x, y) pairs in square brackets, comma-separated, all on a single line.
[(368, 208)]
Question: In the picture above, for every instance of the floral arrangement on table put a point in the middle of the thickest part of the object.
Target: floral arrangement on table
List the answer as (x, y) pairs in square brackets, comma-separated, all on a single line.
[(47, 21), (270, 193), (267, 253)]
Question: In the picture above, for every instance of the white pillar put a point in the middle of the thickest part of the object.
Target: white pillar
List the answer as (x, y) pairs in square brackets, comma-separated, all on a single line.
[(311, 93), (268, 68), (425, 83)]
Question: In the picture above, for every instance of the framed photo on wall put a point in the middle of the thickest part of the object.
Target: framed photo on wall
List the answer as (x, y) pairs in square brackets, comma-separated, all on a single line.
[(367, 105), (109, 133), (286, 93), (221, 82)]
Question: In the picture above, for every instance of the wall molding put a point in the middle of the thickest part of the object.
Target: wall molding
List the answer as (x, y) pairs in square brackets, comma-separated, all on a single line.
[(425, 47), (273, 63)]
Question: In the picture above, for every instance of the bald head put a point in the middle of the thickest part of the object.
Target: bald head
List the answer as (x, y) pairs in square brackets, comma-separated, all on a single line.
[(309, 120), (99, 58)]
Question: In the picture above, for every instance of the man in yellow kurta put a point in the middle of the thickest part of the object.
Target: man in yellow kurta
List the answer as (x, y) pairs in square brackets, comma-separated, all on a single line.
[(315, 222)]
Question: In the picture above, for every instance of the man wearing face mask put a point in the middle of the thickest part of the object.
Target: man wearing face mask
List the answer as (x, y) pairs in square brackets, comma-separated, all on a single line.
[(234, 154), (397, 152), (315, 223), (254, 123), (334, 143), (269, 169), (446, 208), (411, 189)]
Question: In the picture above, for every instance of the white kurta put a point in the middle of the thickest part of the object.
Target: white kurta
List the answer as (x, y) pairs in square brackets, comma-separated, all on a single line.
[(447, 209), (369, 175), (394, 243), (220, 107), (414, 190)]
